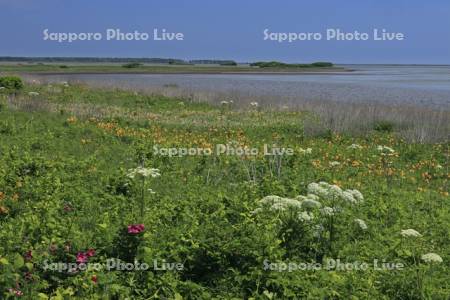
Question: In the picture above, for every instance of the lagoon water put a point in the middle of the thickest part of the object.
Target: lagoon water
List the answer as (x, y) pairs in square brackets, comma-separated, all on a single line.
[(427, 86)]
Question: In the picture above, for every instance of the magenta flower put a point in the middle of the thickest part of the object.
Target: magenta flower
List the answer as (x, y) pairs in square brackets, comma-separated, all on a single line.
[(94, 278), (136, 228), (82, 257), (90, 252)]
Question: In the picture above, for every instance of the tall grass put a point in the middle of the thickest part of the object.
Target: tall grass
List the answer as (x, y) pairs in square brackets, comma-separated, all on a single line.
[(414, 123)]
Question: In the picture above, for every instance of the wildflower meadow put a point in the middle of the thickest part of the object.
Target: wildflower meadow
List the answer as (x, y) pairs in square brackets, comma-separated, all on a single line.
[(113, 194)]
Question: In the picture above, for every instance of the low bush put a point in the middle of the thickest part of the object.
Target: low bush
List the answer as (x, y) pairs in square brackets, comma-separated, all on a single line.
[(11, 84)]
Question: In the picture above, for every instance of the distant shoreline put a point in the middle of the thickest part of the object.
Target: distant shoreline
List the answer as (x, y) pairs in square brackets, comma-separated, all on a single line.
[(343, 72), (61, 69)]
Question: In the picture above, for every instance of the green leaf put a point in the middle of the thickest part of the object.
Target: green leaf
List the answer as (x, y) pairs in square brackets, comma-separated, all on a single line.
[(103, 226), (178, 297), (29, 266), (18, 261), (42, 296), (4, 261)]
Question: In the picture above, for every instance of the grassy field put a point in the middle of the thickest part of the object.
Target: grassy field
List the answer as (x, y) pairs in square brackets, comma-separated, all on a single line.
[(151, 69), (79, 185)]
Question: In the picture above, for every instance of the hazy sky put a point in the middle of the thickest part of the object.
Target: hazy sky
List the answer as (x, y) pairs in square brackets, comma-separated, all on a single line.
[(231, 29)]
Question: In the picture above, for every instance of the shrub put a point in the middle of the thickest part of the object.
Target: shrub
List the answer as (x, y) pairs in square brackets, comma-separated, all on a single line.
[(11, 83), (277, 64), (132, 65), (269, 64), (228, 63), (322, 64)]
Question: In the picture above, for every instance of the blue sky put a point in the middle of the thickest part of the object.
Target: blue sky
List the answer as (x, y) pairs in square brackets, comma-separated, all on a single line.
[(231, 29)]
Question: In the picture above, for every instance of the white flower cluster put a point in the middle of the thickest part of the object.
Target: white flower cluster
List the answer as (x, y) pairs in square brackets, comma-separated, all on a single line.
[(428, 258), (328, 211), (143, 172), (334, 195), (305, 206), (385, 150), (334, 163), (354, 147), (33, 94), (410, 233), (308, 202), (254, 104), (2, 87), (305, 216), (432, 258), (302, 206), (361, 224), (277, 203), (333, 192), (226, 102)]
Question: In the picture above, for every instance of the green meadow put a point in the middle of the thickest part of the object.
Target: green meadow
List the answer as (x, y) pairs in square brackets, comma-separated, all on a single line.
[(113, 194)]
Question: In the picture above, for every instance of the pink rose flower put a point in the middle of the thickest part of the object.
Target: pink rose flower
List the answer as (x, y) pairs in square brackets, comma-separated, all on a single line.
[(136, 228), (82, 257)]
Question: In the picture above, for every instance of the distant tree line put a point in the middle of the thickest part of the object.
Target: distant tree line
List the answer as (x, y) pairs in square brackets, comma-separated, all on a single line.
[(277, 64), (93, 60), (170, 61), (213, 62), (136, 62)]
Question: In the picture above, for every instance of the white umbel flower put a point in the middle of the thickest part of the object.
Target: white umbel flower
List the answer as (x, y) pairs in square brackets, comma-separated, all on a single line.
[(357, 195), (254, 104), (333, 192), (354, 147), (430, 258), (361, 224), (277, 203), (270, 200), (289, 203), (334, 163), (33, 94), (143, 172), (305, 216), (310, 204), (312, 196), (348, 197), (318, 189), (410, 233), (385, 150), (327, 211)]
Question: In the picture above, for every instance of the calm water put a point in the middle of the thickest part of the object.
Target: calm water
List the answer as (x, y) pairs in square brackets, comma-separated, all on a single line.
[(421, 85)]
